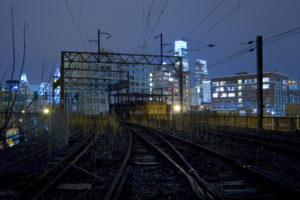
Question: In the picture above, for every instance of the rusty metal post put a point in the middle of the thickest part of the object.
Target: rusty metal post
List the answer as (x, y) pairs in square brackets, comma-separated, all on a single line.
[(98, 40), (62, 75), (181, 84), (259, 52), (128, 97)]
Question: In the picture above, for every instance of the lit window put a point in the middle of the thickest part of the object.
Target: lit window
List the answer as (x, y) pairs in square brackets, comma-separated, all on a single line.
[(222, 89), (222, 82), (239, 81), (231, 94), (240, 100), (248, 81), (215, 83), (217, 89), (240, 87), (266, 79), (230, 88), (240, 94), (215, 95), (266, 86), (224, 95)]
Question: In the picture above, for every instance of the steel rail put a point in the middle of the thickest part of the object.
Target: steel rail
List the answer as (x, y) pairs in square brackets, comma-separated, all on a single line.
[(283, 145), (114, 191), (57, 177), (289, 188), (212, 193), (38, 153), (193, 183), (272, 145), (61, 165)]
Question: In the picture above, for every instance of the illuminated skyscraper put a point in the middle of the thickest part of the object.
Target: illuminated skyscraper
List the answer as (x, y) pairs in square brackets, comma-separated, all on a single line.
[(202, 83), (181, 50)]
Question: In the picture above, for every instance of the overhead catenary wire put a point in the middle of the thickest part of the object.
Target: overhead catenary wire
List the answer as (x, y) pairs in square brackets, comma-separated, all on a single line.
[(198, 25), (253, 47), (280, 23), (149, 30), (235, 8), (76, 25), (82, 19)]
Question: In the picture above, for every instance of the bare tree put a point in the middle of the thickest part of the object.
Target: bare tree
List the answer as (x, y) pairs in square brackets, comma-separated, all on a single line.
[(12, 96)]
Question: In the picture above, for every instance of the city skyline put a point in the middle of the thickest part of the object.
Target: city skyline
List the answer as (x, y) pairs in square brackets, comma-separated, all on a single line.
[(51, 30)]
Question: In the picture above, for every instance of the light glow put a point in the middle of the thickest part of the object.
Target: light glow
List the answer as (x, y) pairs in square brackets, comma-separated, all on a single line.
[(46, 111), (177, 108)]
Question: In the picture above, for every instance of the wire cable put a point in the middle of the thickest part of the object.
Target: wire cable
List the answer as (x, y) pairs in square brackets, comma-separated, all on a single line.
[(198, 25), (82, 18), (253, 47), (235, 8), (77, 27)]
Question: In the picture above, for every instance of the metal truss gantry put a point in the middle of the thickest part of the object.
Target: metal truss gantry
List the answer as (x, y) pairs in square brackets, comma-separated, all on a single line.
[(69, 57)]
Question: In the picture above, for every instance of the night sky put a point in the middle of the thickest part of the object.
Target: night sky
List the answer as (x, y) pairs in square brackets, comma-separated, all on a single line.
[(51, 30)]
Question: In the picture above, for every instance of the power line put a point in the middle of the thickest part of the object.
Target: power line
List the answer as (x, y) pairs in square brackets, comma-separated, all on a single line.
[(82, 18), (235, 8), (77, 28), (284, 21), (149, 30), (253, 47), (198, 25)]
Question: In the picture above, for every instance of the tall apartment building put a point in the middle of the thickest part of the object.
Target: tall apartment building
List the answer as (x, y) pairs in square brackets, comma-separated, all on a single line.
[(166, 82), (202, 83), (238, 93), (86, 88), (180, 49)]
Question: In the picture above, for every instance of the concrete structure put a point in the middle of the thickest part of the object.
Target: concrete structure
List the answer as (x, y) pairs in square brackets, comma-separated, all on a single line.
[(194, 101), (166, 82), (89, 93), (238, 93), (206, 92)]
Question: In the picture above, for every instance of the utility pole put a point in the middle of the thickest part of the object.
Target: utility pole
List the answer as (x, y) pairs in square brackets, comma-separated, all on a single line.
[(259, 51), (161, 47), (98, 40), (181, 84)]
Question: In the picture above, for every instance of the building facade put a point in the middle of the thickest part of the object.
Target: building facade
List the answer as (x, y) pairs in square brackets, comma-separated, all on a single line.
[(202, 82), (166, 82), (238, 93), (180, 49), (87, 85)]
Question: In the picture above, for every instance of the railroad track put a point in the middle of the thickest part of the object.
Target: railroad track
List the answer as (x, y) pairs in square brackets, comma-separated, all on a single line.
[(22, 185), (91, 175), (234, 179), (22, 157), (274, 143), (281, 160), (153, 169)]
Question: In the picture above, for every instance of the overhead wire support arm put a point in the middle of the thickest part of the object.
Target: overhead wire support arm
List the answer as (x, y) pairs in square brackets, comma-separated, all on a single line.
[(98, 38)]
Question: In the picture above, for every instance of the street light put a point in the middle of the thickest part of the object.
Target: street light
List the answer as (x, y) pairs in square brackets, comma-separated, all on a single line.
[(177, 108), (46, 111)]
